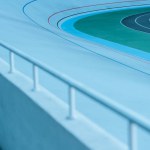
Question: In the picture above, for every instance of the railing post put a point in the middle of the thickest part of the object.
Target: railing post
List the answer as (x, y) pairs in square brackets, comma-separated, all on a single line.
[(11, 62), (35, 78), (72, 103), (132, 136)]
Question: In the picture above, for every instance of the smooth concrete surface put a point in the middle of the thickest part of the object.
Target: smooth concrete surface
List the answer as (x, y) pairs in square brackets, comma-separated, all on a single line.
[(38, 121), (122, 84)]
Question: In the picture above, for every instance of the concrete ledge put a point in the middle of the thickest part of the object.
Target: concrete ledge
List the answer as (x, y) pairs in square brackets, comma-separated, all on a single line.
[(38, 120)]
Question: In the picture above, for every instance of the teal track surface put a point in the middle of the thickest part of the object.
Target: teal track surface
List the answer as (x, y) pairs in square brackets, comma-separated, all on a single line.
[(30, 32)]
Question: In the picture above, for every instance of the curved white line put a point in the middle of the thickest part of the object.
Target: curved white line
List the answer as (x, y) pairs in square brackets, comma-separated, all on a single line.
[(82, 46), (136, 22), (130, 27)]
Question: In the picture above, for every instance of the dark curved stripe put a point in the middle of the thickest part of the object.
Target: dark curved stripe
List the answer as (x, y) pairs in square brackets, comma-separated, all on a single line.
[(96, 10), (69, 40), (138, 22), (86, 6), (144, 20)]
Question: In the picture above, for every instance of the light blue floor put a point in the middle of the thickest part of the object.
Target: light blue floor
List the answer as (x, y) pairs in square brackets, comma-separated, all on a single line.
[(124, 85)]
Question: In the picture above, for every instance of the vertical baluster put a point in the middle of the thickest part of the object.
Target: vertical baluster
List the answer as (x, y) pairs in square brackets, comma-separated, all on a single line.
[(72, 103), (11, 62), (35, 78), (132, 136)]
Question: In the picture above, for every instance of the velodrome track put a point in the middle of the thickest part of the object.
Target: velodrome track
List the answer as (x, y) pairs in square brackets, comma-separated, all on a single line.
[(25, 26), (138, 22)]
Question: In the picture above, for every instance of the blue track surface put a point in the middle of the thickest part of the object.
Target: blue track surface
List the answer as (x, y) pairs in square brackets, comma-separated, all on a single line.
[(68, 26), (125, 85)]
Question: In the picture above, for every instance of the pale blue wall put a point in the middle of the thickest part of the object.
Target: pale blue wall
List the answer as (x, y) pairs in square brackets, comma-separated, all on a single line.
[(25, 126)]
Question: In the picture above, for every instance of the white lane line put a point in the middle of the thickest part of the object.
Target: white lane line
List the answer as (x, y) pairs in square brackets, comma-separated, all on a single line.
[(121, 22), (136, 21)]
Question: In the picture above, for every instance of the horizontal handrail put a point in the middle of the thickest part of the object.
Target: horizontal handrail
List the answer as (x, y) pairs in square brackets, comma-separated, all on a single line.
[(122, 111)]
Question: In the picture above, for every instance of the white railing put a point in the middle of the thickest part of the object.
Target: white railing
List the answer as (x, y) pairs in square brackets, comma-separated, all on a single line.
[(134, 119)]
